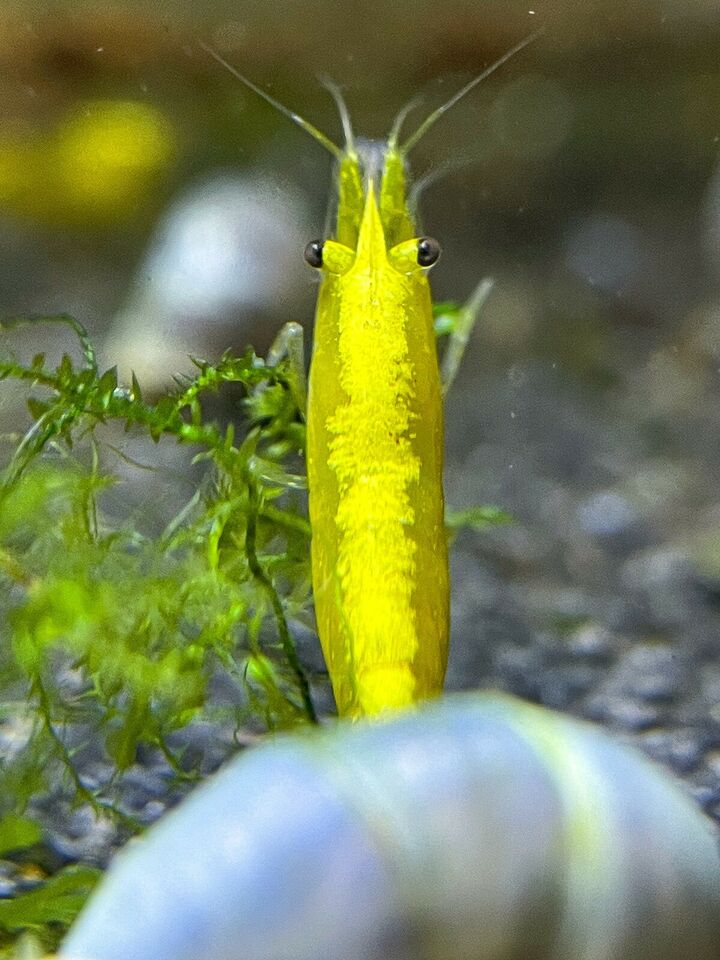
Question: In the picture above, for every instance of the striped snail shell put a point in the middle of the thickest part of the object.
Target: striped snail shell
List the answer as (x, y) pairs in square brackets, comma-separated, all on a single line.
[(475, 828)]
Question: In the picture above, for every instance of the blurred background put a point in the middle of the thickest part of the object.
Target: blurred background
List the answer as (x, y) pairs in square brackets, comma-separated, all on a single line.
[(145, 191)]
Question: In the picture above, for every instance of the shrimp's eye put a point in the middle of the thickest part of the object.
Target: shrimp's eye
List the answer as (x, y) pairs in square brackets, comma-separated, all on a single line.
[(428, 251), (314, 253)]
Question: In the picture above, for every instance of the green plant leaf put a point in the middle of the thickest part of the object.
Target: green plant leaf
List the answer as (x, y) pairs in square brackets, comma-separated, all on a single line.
[(57, 901), (477, 518), (17, 833)]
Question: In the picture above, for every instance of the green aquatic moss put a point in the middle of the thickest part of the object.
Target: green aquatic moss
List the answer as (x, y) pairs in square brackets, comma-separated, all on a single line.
[(116, 632)]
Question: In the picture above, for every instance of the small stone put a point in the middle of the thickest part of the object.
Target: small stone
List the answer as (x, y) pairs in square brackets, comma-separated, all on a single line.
[(712, 760), (561, 688), (82, 835), (8, 888), (626, 714), (649, 672), (606, 514), (8, 879), (29, 876), (708, 797), (710, 683), (591, 640), (518, 668), (681, 750), (152, 811)]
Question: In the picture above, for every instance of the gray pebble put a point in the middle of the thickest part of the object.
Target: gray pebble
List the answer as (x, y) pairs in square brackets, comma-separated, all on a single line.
[(625, 714), (679, 749), (649, 672), (151, 812), (81, 835), (606, 514), (8, 879), (591, 640)]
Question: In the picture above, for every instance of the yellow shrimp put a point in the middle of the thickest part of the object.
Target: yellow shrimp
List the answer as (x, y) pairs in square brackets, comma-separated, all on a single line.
[(375, 432)]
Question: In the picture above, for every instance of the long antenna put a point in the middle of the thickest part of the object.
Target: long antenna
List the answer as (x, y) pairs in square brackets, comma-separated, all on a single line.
[(305, 125), (336, 93), (400, 119), (436, 114)]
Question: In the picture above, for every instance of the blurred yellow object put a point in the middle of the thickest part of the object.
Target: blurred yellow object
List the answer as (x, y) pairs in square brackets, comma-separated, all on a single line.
[(100, 165)]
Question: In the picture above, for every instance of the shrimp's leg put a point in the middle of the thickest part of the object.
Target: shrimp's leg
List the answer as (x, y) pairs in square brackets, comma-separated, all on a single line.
[(290, 343), (464, 321)]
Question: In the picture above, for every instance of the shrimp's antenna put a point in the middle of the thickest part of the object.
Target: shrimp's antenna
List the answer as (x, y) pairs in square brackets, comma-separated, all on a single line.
[(336, 93), (400, 119), (305, 125), (436, 114)]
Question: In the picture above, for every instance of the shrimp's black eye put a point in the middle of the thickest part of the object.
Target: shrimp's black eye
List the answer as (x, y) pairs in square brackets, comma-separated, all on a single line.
[(314, 253), (428, 251)]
